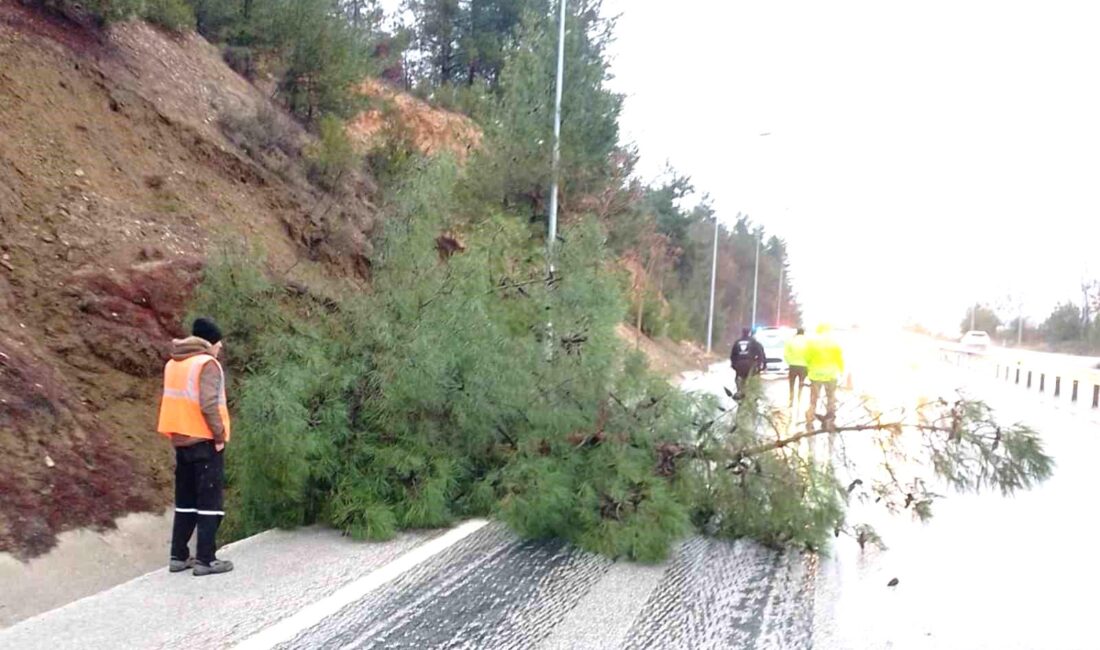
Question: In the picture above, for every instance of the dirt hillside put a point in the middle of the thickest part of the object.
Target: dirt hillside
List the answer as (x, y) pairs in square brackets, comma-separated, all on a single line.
[(117, 179), (431, 130), (665, 356), (127, 157)]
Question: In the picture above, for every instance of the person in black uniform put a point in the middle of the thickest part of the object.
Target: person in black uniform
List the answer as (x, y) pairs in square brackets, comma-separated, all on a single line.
[(747, 359)]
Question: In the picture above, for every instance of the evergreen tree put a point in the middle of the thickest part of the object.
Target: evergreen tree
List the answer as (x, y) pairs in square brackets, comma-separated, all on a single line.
[(491, 32), (364, 15), (981, 318), (1063, 324), (324, 60), (438, 26), (515, 164)]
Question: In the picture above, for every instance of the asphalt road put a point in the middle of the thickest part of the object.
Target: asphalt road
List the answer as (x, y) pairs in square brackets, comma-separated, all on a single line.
[(488, 589), (987, 572)]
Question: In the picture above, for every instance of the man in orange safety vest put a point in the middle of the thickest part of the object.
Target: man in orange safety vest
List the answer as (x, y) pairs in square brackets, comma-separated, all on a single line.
[(194, 416)]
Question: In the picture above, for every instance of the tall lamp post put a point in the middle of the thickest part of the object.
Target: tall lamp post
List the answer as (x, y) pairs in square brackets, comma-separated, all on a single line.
[(552, 217), (755, 279), (552, 235), (714, 275), (779, 297)]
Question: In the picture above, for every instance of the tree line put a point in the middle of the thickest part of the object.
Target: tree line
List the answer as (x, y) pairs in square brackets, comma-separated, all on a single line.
[(1070, 325)]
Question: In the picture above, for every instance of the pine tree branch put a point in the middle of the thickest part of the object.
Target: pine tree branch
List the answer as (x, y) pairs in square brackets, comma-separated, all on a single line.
[(790, 440), (516, 285), (504, 434)]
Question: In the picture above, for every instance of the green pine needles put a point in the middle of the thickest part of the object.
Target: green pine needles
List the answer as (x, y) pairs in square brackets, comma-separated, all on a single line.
[(467, 384)]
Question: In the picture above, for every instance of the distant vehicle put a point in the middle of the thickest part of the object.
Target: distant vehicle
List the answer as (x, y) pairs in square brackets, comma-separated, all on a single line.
[(976, 340), (774, 340)]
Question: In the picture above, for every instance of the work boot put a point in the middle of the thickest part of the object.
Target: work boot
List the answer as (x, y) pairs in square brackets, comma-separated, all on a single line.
[(217, 566), (175, 566)]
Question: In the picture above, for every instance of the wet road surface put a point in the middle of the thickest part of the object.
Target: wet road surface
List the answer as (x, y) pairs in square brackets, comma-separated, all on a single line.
[(494, 591), (987, 572)]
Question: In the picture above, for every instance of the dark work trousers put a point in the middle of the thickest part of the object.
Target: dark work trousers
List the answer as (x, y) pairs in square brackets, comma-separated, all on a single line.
[(796, 377), (200, 480), (745, 370), (816, 388)]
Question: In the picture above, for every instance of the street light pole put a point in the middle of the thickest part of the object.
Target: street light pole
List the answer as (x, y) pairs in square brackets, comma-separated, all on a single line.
[(755, 279), (779, 298), (552, 235), (552, 217), (713, 278)]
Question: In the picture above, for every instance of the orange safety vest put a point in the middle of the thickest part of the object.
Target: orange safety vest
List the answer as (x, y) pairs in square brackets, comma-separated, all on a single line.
[(180, 408)]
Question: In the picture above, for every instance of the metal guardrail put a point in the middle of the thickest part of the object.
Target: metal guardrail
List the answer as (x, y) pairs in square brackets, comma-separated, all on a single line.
[(1031, 375)]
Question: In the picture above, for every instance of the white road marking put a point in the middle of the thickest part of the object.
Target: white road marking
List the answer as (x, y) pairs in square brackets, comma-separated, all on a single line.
[(310, 615)]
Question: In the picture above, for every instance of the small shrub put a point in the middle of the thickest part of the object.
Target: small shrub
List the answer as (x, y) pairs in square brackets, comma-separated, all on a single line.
[(260, 133), (240, 59), (393, 153), (679, 323), (473, 100), (102, 12), (173, 15), (655, 320), (219, 20), (332, 158)]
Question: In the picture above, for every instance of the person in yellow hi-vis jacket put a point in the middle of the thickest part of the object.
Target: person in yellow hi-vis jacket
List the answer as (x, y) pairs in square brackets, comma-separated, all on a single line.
[(794, 353), (824, 366)]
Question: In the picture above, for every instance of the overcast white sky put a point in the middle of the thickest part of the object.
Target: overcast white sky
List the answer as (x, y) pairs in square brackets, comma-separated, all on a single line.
[(922, 155)]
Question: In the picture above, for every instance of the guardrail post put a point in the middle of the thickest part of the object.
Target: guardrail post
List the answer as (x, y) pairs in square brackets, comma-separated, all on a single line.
[(1042, 382), (1029, 379), (1095, 396), (1073, 395), (1057, 386), (1017, 376)]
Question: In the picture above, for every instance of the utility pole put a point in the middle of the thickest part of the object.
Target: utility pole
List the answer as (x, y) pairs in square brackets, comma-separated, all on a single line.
[(779, 298), (713, 278), (755, 279)]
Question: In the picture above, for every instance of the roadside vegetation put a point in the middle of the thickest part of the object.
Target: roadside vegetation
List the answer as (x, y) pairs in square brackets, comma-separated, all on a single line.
[(467, 379), (1072, 327)]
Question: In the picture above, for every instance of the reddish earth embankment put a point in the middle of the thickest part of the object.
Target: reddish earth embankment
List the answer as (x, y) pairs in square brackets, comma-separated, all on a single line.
[(116, 180)]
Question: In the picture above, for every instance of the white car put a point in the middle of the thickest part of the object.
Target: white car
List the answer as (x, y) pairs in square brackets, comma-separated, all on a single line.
[(774, 340), (976, 340)]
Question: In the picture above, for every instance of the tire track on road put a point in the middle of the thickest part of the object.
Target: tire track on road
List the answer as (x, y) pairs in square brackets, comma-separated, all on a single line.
[(491, 590)]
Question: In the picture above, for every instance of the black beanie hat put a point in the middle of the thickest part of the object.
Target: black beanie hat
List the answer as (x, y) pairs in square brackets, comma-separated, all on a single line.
[(204, 328)]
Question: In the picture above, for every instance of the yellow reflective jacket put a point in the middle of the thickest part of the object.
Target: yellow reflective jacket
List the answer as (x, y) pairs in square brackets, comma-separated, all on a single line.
[(824, 359), (794, 352)]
